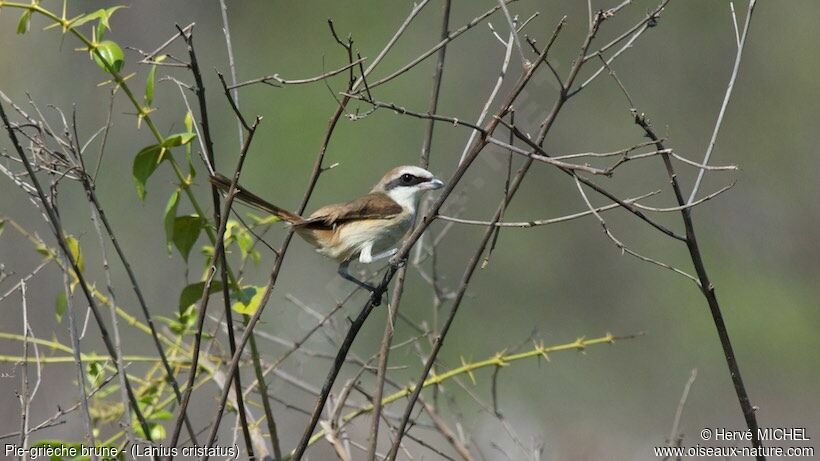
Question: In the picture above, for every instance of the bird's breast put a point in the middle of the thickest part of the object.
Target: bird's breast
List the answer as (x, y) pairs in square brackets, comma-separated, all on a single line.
[(348, 239)]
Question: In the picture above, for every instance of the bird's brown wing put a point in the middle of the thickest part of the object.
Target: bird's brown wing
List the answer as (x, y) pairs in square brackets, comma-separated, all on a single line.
[(374, 205)]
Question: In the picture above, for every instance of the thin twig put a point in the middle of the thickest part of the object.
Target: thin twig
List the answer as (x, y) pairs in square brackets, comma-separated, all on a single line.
[(384, 353), (740, 44), (301, 81), (673, 435)]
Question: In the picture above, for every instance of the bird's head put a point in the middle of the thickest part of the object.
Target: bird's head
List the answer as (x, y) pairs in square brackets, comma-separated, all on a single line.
[(406, 184)]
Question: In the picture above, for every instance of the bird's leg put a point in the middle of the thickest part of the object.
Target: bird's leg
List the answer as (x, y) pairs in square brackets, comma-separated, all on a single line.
[(345, 274)]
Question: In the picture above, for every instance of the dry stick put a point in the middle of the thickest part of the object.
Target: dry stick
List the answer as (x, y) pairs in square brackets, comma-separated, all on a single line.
[(203, 303), (423, 115), (544, 222), (223, 263), (384, 353), (491, 98), (301, 81), (226, 31), (76, 355), (673, 435), (706, 287), (446, 431), (424, 159), (438, 74), (57, 229), (114, 323), (546, 125), (25, 401), (740, 44)]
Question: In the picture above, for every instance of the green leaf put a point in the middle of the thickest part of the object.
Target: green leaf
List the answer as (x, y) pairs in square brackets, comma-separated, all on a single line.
[(2, 225), (107, 13), (80, 20), (111, 53), (248, 301), (74, 249), (260, 221), (100, 33), (245, 242), (104, 15), (193, 293), (60, 306), (149, 85), (145, 163), (24, 23), (189, 122), (157, 431), (186, 320), (95, 372), (170, 216), (186, 232), (178, 139), (43, 249), (162, 415)]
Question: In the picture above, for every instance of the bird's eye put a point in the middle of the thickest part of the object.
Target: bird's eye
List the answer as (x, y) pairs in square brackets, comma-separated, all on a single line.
[(406, 178)]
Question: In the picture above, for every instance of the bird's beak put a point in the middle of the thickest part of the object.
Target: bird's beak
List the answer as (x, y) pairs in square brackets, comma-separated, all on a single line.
[(435, 183)]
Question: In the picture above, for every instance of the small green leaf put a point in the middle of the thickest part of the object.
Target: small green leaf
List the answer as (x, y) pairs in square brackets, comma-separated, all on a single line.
[(157, 431), (189, 122), (145, 163), (170, 216), (104, 15), (193, 293), (185, 320), (60, 306), (111, 53), (25, 22), (74, 249), (95, 372), (248, 301), (80, 20), (162, 415), (186, 232), (100, 33), (260, 221), (149, 85), (2, 225), (43, 249), (178, 139)]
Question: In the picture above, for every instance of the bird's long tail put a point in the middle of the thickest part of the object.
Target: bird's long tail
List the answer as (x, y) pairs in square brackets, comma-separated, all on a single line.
[(224, 183)]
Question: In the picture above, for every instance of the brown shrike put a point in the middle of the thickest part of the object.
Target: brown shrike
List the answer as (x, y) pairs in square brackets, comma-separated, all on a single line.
[(367, 228)]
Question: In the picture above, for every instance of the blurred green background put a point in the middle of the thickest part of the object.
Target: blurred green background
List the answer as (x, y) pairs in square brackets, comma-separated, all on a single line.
[(556, 282)]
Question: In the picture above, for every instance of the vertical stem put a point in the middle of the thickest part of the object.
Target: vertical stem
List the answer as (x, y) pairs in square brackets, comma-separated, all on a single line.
[(384, 353), (707, 289), (75, 349)]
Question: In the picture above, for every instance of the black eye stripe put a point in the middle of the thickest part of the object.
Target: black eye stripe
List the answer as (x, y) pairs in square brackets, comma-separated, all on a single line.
[(405, 180)]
